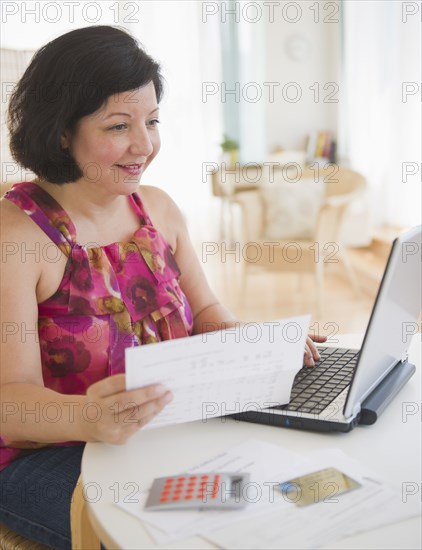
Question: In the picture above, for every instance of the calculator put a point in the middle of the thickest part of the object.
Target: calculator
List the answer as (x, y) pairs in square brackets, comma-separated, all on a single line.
[(197, 491)]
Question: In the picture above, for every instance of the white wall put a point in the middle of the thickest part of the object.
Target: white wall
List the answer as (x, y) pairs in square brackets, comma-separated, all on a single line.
[(288, 123)]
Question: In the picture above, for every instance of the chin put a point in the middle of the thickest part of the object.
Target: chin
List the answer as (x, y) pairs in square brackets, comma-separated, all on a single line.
[(127, 187)]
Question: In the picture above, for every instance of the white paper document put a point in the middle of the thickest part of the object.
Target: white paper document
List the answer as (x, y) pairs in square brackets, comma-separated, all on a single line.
[(270, 520), (247, 368)]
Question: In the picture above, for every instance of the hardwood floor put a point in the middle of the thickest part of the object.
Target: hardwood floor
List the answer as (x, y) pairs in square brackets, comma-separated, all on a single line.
[(272, 295)]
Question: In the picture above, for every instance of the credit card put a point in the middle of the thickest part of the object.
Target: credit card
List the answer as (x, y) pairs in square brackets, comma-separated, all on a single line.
[(320, 486)]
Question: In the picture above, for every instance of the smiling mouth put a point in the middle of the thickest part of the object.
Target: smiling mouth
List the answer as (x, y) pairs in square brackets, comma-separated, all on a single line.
[(132, 169)]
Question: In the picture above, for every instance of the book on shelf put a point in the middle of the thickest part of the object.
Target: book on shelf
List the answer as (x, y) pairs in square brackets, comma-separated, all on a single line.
[(321, 147)]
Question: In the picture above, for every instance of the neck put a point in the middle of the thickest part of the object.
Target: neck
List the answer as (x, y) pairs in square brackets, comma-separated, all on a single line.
[(84, 201)]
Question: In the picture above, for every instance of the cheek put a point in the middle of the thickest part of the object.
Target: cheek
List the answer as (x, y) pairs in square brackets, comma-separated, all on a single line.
[(108, 153), (100, 151), (156, 143)]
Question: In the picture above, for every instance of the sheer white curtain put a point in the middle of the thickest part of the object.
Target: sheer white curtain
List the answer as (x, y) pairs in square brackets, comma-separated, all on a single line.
[(381, 109)]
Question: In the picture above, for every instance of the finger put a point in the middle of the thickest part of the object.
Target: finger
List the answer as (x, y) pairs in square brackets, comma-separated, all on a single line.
[(136, 413), (314, 351), (128, 399), (148, 418), (108, 386), (318, 338), (308, 359), (115, 386)]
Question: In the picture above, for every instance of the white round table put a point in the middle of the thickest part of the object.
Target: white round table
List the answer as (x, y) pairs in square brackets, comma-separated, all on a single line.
[(391, 447)]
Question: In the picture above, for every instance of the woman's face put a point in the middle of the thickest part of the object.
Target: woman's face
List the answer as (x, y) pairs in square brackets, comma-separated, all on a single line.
[(114, 145)]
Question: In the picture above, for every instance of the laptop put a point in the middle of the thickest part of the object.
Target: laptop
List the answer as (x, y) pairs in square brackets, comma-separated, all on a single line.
[(349, 387)]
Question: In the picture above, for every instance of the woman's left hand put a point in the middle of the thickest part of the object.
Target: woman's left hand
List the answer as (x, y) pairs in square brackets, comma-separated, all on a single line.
[(311, 353)]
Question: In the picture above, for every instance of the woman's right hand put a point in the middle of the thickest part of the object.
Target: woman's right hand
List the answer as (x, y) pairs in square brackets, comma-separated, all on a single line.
[(112, 414)]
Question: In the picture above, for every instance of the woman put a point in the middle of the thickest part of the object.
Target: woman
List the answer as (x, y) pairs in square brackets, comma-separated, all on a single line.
[(114, 269)]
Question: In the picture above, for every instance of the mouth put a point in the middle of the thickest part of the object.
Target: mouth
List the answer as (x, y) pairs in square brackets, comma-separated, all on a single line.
[(133, 169)]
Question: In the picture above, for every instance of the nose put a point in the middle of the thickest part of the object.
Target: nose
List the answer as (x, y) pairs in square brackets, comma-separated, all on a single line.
[(141, 144)]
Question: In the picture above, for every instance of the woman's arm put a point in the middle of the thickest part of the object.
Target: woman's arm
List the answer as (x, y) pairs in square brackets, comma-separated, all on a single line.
[(27, 406)]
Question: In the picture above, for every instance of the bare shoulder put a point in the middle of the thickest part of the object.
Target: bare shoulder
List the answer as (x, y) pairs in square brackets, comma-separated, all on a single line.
[(164, 213), (155, 199), (14, 221), (19, 234)]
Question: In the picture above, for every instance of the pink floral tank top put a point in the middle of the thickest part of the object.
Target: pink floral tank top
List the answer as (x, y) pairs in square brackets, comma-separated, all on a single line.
[(110, 298)]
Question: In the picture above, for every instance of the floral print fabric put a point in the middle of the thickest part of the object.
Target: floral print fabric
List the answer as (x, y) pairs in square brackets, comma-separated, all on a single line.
[(110, 298)]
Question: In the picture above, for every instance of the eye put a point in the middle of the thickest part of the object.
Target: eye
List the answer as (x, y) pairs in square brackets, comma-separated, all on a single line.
[(118, 127), (154, 122)]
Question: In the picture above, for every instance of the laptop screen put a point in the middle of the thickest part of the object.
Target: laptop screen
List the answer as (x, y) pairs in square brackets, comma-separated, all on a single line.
[(393, 320)]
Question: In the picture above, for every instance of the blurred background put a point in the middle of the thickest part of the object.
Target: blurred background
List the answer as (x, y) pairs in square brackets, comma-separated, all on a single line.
[(290, 138)]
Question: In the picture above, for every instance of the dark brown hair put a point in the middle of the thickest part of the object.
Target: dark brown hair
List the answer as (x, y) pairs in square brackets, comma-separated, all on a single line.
[(69, 78)]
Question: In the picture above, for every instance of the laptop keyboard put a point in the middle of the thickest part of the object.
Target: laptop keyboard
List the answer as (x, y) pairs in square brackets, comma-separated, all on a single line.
[(315, 388)]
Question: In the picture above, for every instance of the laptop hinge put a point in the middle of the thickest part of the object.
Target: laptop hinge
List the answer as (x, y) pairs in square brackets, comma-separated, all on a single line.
[(356, 410)]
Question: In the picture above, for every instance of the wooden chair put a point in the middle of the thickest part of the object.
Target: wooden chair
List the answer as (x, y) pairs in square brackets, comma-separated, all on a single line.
[(9, 540), (226, 182), (341, 189), (83, 535)]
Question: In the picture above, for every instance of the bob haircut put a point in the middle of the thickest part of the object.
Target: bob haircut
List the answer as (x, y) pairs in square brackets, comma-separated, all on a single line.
[(67, 79)]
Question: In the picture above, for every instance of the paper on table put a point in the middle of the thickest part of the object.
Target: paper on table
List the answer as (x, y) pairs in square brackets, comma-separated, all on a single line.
[(272, 521), (370, 507), (262, 460), (249, 367)]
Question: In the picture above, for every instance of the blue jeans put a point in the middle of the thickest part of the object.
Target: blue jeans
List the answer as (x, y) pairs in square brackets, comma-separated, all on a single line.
[(35, 494)]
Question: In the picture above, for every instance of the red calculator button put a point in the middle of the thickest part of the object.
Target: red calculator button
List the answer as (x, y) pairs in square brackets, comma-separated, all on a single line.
[(204, 477), (178, 485), (169, 480), (164, 499), (176, 497), (178, 492), (181, 478), (190, 490), (188, 497), (165, 493)]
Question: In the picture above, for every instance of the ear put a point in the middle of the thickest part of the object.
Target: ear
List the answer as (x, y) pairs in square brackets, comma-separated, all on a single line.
[(65, 140)]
